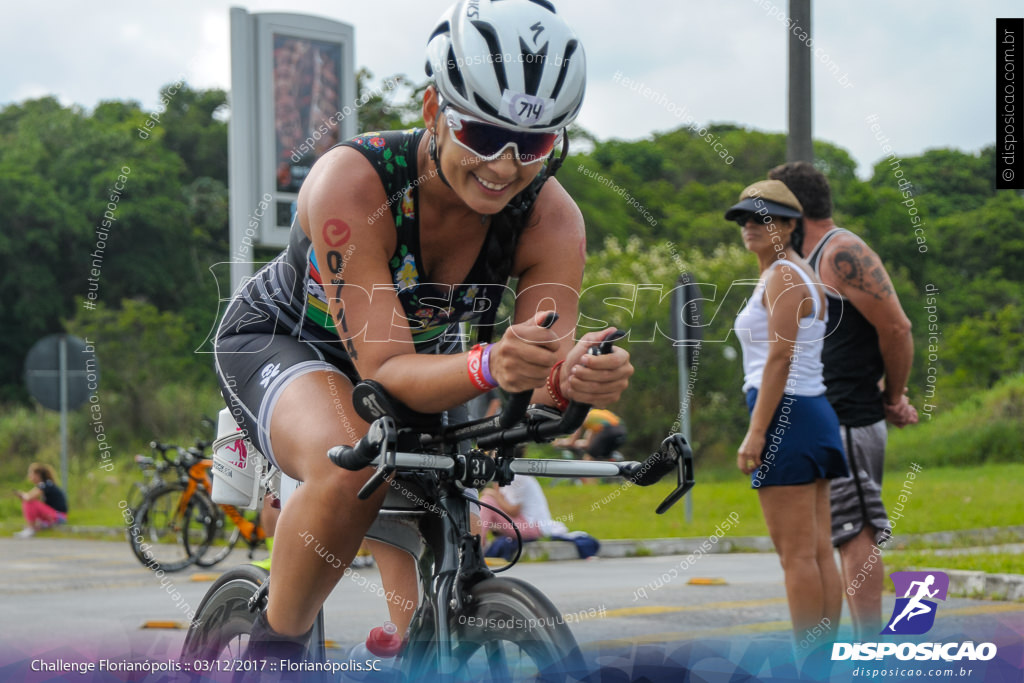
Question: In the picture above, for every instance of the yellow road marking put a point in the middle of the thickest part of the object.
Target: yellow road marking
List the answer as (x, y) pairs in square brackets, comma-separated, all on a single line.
[(666, 609), (155, 623), (706, 581), (759, 627)]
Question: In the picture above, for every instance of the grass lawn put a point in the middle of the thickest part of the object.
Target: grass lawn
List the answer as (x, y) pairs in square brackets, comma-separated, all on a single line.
[(936, 499), (93, 497), (994, 563)]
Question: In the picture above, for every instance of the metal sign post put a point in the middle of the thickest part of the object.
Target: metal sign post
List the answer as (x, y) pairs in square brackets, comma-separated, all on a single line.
[(686, 327), (63, 369), (57, 379)]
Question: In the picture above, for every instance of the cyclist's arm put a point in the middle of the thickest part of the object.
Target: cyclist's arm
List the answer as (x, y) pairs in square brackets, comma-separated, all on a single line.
[(335, 204), (550, 263)]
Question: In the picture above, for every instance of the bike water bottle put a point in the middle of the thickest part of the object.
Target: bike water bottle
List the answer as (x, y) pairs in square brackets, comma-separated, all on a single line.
[(236, 465), (376, 656)]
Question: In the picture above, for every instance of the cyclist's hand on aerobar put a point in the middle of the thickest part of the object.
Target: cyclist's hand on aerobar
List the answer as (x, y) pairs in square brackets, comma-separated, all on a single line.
[(522, 358), (595, 380)]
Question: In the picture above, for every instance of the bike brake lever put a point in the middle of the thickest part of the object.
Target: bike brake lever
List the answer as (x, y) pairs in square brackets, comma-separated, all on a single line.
[(372, 484), (677, 444), (386, 464)]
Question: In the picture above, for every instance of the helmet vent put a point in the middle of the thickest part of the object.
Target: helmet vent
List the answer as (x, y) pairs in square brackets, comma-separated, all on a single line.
[(533, 66), (486, 106), (442, 28), (497, 59), (454, 75), (546, 5), (570, 50)]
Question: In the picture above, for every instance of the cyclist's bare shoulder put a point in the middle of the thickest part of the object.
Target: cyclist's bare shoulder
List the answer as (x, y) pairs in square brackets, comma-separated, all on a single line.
[(555, 236), (344, 189)]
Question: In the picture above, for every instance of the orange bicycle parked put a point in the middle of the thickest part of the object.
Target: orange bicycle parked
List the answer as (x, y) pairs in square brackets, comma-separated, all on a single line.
[(178, 524)]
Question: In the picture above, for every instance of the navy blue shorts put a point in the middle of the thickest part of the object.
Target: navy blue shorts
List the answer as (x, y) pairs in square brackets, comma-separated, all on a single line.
[(803, 443)]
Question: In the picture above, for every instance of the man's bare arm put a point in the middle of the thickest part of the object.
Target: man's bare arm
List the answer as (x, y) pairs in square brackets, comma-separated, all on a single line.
[(857, 273)]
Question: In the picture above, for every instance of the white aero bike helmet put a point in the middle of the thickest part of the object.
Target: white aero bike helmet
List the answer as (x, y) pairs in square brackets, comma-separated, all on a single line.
[(511, 63)]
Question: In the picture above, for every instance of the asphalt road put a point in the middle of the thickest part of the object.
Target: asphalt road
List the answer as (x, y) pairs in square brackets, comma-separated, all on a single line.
[(90, 599)]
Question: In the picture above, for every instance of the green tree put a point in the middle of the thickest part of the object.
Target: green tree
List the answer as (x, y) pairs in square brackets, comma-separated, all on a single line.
[(629, 285), (140, 351), (392, 104)]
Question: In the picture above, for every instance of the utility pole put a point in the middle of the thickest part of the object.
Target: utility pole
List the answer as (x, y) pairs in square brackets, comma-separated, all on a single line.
[(798, 143)]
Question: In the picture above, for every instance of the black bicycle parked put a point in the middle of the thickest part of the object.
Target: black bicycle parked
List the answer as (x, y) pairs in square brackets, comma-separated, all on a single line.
[(470, 625)]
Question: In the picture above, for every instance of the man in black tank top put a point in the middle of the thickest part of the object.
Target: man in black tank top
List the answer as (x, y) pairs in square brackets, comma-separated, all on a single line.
[(867, 359)]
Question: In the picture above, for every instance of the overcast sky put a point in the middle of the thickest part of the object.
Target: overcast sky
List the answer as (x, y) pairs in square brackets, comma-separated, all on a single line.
[(925, 68)]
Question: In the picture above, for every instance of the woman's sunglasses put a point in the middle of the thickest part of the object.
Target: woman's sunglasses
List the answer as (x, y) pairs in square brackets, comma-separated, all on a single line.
[(488, 141), (759, 218)]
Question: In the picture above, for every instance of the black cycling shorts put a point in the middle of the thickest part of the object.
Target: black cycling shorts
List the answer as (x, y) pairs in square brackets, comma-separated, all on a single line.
[(256, 360)]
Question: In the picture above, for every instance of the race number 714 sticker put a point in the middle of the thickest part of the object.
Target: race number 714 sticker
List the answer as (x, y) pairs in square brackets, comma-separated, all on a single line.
[(529, 110)]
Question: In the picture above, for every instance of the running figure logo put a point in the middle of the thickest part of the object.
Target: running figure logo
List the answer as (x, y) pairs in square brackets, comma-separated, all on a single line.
[(913, 613)]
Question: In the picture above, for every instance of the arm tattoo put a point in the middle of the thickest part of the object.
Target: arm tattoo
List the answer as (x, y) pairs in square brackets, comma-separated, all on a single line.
[(340, 320), (855, 268), (334, 262)]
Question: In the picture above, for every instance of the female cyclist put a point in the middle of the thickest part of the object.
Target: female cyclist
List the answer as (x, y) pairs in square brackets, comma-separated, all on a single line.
[(398, 237)]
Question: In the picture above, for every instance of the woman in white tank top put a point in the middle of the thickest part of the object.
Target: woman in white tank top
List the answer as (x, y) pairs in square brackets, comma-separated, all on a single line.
[(791, 448)]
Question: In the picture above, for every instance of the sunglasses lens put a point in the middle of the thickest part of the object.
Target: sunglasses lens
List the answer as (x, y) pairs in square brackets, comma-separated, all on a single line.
[(488, 141), (759, 219)]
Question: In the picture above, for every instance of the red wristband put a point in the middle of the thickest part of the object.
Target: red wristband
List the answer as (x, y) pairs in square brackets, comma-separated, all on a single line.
[(553, 385), (474, 366)]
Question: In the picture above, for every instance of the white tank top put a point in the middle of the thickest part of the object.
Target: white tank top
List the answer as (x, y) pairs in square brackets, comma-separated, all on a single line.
[(805, 370)]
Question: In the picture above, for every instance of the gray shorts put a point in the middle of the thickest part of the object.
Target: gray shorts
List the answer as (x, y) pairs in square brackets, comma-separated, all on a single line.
[(857, 499)]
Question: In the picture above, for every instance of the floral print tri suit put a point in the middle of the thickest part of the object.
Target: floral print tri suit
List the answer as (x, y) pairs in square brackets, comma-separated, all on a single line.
[(277, 327)]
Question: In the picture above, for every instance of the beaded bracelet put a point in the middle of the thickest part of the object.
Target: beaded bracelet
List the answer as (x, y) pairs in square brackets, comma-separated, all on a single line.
[(554, 388), (474, 366)]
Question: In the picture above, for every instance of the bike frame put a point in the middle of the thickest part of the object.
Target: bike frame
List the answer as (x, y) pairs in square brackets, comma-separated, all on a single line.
[(406, 522), (199, 476), (427, 512)]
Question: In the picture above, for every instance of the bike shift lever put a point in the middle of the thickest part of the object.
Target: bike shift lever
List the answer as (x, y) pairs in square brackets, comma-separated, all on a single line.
[(605, 346), (517, 405)]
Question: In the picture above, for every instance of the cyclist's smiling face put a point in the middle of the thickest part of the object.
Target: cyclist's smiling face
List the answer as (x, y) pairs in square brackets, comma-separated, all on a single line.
[(485, 186)]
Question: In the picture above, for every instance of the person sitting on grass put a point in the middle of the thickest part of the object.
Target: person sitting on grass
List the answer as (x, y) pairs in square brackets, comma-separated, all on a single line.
[(45, 504), (524, 502)]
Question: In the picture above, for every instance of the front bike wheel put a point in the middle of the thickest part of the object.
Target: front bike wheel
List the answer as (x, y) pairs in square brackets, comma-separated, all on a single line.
[(223, 621), (157, 527), (511, 632)]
